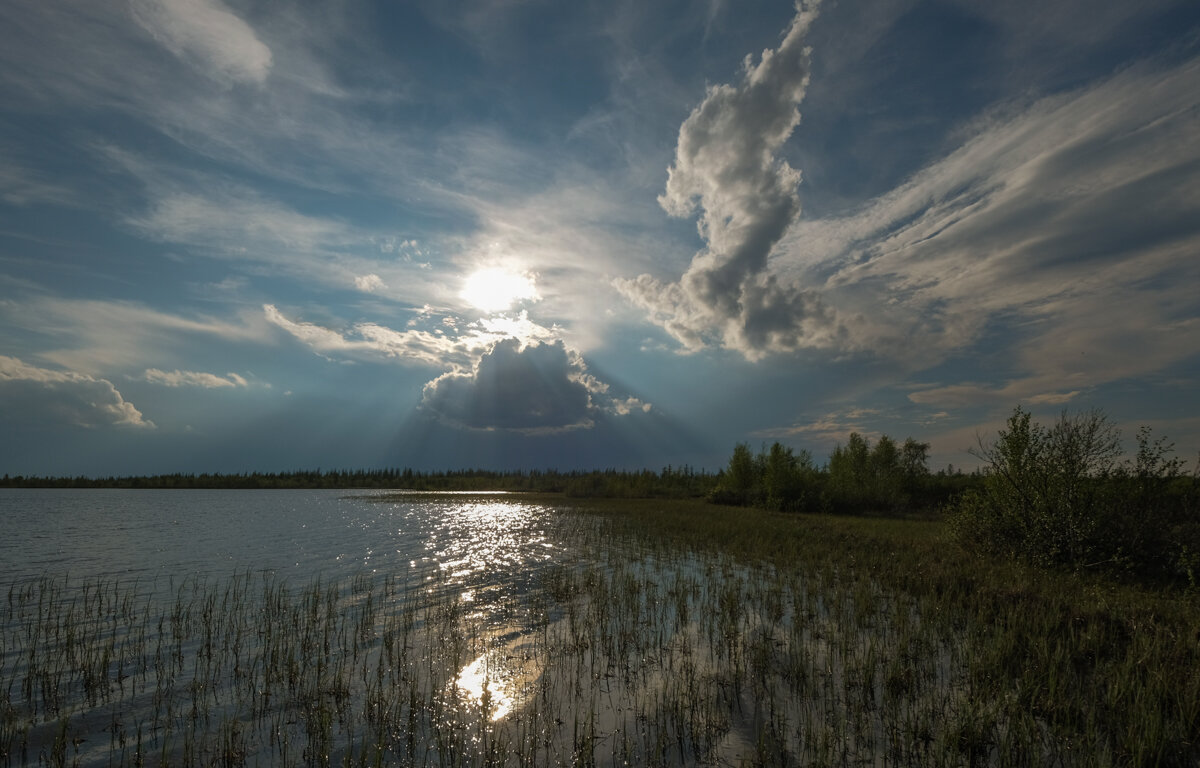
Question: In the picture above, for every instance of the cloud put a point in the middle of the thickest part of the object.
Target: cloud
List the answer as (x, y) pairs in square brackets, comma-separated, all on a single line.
[(178, 378), (1048, 214), (208, 36), (499, 367), (213, 217), (830, 428), (972, 394), (535, 389), (442, 347), (1063, 231), (102, 335), (68, 397), (727, 166), (369, 283)]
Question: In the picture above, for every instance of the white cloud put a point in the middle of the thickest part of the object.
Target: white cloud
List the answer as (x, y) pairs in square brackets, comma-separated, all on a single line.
[(727, 166), (21, 186), (208, 36), (369, 283), (1063, 228), (487, 358), (626, 406), (973, 394), (235, 222), (50, 396), (178, 378)]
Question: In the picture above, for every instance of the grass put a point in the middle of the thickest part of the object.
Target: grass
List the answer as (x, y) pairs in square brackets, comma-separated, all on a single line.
[(681, 633)]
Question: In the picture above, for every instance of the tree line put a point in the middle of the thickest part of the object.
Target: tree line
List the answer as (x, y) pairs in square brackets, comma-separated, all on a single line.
[(887, 477), (670, 482)]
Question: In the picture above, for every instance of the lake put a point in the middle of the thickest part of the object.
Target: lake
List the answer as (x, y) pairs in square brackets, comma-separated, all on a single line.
[(152, 535)]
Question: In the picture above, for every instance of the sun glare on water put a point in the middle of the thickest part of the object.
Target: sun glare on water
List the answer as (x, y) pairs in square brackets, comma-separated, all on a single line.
[(495, 290)]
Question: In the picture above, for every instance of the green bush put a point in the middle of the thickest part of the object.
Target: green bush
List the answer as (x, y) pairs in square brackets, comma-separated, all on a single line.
[(1062, 496)]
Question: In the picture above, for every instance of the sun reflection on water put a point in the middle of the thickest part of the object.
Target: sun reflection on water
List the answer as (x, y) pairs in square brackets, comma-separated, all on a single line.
[(481, 684)]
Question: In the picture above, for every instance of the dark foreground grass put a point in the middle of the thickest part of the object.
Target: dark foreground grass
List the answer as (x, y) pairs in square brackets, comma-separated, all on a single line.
[(1109, 671)]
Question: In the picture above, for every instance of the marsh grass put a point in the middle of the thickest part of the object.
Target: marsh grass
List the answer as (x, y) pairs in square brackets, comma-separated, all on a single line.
[(680, 634)]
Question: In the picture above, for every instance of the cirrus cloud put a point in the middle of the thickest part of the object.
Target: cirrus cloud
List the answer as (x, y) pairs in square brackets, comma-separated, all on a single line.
[(208, 36), (178, 378)]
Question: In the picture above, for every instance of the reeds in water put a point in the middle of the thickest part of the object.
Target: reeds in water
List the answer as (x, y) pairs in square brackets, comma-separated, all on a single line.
[(640, 650)]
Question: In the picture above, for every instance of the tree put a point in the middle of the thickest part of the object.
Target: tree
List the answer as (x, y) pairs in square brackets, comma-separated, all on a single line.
[(914, 458)]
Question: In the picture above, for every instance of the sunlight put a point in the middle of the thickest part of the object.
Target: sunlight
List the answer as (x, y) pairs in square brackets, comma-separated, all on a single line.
[(478, 683), (494, 289)]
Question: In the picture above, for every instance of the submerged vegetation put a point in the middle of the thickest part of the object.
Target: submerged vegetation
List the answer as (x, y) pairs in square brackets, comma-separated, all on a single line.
[(678, 633)]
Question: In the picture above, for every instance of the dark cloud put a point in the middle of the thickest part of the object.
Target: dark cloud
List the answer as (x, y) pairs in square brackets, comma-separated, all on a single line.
[(538, 388)]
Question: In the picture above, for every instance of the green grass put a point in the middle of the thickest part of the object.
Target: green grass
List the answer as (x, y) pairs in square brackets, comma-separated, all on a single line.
[(682, 634), (1088, 666)]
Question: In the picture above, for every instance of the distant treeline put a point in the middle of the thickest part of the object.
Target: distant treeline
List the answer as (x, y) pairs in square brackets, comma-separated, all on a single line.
[(887, 477), (671, 482)]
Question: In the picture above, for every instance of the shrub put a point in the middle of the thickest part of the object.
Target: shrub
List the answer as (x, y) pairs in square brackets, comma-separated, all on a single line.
[(1062, 496)]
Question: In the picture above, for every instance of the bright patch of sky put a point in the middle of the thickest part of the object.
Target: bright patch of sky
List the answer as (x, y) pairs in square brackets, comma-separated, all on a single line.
[(242, 236)]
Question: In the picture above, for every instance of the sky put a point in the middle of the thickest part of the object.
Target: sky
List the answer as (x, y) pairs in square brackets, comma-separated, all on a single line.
[(520, 234)]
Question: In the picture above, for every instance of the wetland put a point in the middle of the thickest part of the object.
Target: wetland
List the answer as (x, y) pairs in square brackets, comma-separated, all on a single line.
[(376, 628)]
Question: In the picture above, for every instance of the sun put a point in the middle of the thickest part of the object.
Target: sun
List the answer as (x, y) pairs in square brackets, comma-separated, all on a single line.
[(494, 289)]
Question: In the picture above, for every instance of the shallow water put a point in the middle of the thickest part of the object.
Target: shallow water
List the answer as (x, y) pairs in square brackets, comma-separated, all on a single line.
[(323, 628), (77, 561)]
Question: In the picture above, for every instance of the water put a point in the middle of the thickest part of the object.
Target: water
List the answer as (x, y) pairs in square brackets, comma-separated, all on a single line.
[(156, 535), (100, 576)]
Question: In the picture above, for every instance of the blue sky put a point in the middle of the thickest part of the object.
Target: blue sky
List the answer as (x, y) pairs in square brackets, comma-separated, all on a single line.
[(243, 236)]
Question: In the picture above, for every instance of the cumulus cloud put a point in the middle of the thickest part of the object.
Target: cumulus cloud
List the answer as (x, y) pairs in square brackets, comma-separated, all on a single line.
[(178, 378), (537, 388), (369, 283), (1062, 229), (64, 396), (727, 168), (208, 36), (503, 372)]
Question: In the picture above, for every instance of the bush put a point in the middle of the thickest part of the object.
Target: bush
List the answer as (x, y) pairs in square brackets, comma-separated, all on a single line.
[(1062, 496)]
